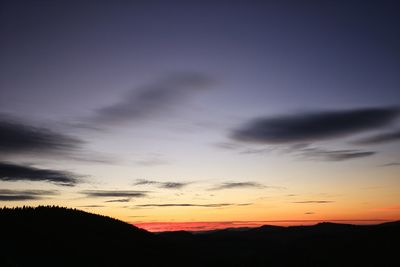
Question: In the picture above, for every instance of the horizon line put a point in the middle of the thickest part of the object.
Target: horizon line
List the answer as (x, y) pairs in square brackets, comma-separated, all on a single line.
[(219, 225)]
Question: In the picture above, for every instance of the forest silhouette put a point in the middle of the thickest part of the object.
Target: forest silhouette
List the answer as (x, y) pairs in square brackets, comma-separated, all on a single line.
[(56, 236)]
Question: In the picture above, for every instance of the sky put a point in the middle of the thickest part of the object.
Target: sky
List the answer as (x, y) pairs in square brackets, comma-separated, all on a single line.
[(202, 114)]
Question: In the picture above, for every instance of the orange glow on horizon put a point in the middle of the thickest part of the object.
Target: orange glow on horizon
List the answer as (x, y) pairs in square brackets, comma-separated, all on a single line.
[(207, 226)]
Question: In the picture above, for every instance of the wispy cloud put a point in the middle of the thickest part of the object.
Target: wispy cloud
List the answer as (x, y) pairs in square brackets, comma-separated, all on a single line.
[(151, 162), (173, 185), (333, 155), (391, 164), (166, 185), (314, 202), (22, 195), (382, 138), (152, 100), (227, 146), (212, 205), (91, 206), (235, 185), (256, 151), (145, 182), (119, 200), (21, 138), (114, 193), (14, 172), (309, 152), (315, 126)]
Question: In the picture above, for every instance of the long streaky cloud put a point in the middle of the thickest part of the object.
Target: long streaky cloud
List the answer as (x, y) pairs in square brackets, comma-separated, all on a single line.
[(314, 202), (333, 155), (212, 205), (235, 185), (14, 172), (21, 138), (315, 126), (118, 200), (166, 185), (390, 164), (382, 138), (91, 206), (23, 195), (114, 193)]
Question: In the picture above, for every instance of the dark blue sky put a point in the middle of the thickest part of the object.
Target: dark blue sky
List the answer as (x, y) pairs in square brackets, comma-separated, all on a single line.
[(323, 52)]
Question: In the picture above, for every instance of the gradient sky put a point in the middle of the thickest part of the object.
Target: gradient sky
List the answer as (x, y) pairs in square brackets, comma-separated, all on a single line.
[(202, 111)]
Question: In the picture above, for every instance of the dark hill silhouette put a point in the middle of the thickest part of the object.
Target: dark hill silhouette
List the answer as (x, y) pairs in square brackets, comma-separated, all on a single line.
[(53, 236), (323, 244)]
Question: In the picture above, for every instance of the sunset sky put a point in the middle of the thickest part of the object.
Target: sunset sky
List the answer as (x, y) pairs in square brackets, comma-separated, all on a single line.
[(202, 114)]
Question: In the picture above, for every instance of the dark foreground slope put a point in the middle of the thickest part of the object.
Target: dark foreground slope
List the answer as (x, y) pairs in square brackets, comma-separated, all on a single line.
[(51, 236), (54, 236)]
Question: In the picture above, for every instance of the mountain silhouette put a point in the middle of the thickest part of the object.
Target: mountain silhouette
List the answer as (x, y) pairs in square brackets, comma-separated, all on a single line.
[(54, 236)]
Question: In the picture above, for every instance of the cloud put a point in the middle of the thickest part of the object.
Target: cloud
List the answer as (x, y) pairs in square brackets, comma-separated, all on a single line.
[(333, 155), (213, 205), (391, 164), (119, 200), (381, 138), (22, 195), (173, 185), (13, 172), (255, 151), (314, 126), (166, 185), (314, 202), (233, 185), (152, 162), (91, 206), (227, 146), (151, 100), (20, 138), (114, 193), (145, 182)]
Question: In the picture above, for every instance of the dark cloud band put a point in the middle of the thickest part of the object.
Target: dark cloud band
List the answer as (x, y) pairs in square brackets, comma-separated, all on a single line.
[(315, 126), (114, 193), (14, 172), (20, 138), (23, 195)]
